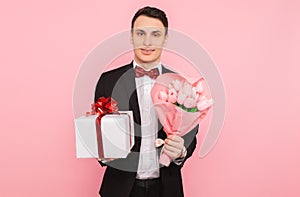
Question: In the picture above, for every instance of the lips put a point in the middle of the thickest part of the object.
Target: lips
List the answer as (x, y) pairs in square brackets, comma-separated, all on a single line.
[(147, 51)]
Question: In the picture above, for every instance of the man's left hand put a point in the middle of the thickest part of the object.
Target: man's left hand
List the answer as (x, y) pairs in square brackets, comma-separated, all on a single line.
[(173, 146)]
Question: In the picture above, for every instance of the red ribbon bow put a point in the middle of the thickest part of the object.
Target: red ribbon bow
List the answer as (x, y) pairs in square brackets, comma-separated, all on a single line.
[(104, 106)]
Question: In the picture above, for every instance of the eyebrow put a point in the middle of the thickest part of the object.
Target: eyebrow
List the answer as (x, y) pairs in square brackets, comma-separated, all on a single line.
[(155, 31), (140, 30)]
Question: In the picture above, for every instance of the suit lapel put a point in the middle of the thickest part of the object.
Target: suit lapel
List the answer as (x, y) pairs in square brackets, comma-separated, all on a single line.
[(165, 70), (125, 92)]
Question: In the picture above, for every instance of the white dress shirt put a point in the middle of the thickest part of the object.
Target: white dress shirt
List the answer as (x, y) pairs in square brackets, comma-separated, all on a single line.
[(148, 161)]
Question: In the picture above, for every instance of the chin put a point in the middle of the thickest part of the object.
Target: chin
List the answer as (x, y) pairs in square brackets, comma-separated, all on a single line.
[(148, 59)]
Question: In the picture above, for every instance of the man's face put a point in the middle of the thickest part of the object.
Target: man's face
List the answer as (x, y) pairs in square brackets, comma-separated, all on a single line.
[(148, 38)]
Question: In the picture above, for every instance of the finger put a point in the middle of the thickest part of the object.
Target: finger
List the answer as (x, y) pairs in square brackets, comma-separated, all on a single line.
[(174, 143), (172, 149), (175, 138), (172, 155)]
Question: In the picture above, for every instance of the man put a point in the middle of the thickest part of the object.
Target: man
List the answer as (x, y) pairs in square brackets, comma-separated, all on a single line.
[(140, 174)]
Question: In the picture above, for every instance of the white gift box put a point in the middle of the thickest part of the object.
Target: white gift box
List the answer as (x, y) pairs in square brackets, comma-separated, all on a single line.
[(113, 138)]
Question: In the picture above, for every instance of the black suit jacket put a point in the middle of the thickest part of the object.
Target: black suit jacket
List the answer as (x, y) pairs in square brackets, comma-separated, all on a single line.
[(120, 174)]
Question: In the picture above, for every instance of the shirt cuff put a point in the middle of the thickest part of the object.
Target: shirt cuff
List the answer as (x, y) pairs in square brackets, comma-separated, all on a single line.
[(105, 161), (178, 161)]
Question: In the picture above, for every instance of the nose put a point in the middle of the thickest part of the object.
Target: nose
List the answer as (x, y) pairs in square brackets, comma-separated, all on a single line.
[(147, 40)]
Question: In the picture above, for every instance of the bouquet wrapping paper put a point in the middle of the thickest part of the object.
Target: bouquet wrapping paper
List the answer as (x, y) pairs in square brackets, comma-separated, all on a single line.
[(179, 105)]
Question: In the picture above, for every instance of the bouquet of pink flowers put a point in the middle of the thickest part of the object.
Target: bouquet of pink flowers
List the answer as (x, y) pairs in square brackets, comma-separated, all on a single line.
[(180, 105)]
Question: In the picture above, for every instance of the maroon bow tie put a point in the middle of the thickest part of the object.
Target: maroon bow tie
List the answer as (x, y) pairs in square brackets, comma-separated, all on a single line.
[(140, 72)]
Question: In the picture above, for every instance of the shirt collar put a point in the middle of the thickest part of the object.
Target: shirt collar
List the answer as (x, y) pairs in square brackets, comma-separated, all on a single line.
[(159, 66)]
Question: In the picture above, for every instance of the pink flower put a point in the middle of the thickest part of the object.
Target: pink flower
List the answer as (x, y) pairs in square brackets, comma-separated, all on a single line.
[(190, 103), (195, 95), (204, 104), (187, 89), (199, 87), (172, 96), (185, 92), (176, 84), (181, 97), (201, 98), (163, 95)]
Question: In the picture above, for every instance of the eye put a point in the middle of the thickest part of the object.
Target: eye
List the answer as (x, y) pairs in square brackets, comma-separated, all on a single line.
[(156, 34), (139, 33)]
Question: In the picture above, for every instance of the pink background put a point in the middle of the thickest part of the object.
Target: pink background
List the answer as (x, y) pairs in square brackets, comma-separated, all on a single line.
[(254, 43)]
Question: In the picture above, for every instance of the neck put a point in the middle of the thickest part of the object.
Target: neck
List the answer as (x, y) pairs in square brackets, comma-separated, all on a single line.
[(147, 65)]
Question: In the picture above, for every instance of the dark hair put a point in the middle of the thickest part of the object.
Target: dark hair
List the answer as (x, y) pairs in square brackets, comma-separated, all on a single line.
[(153, 13)]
